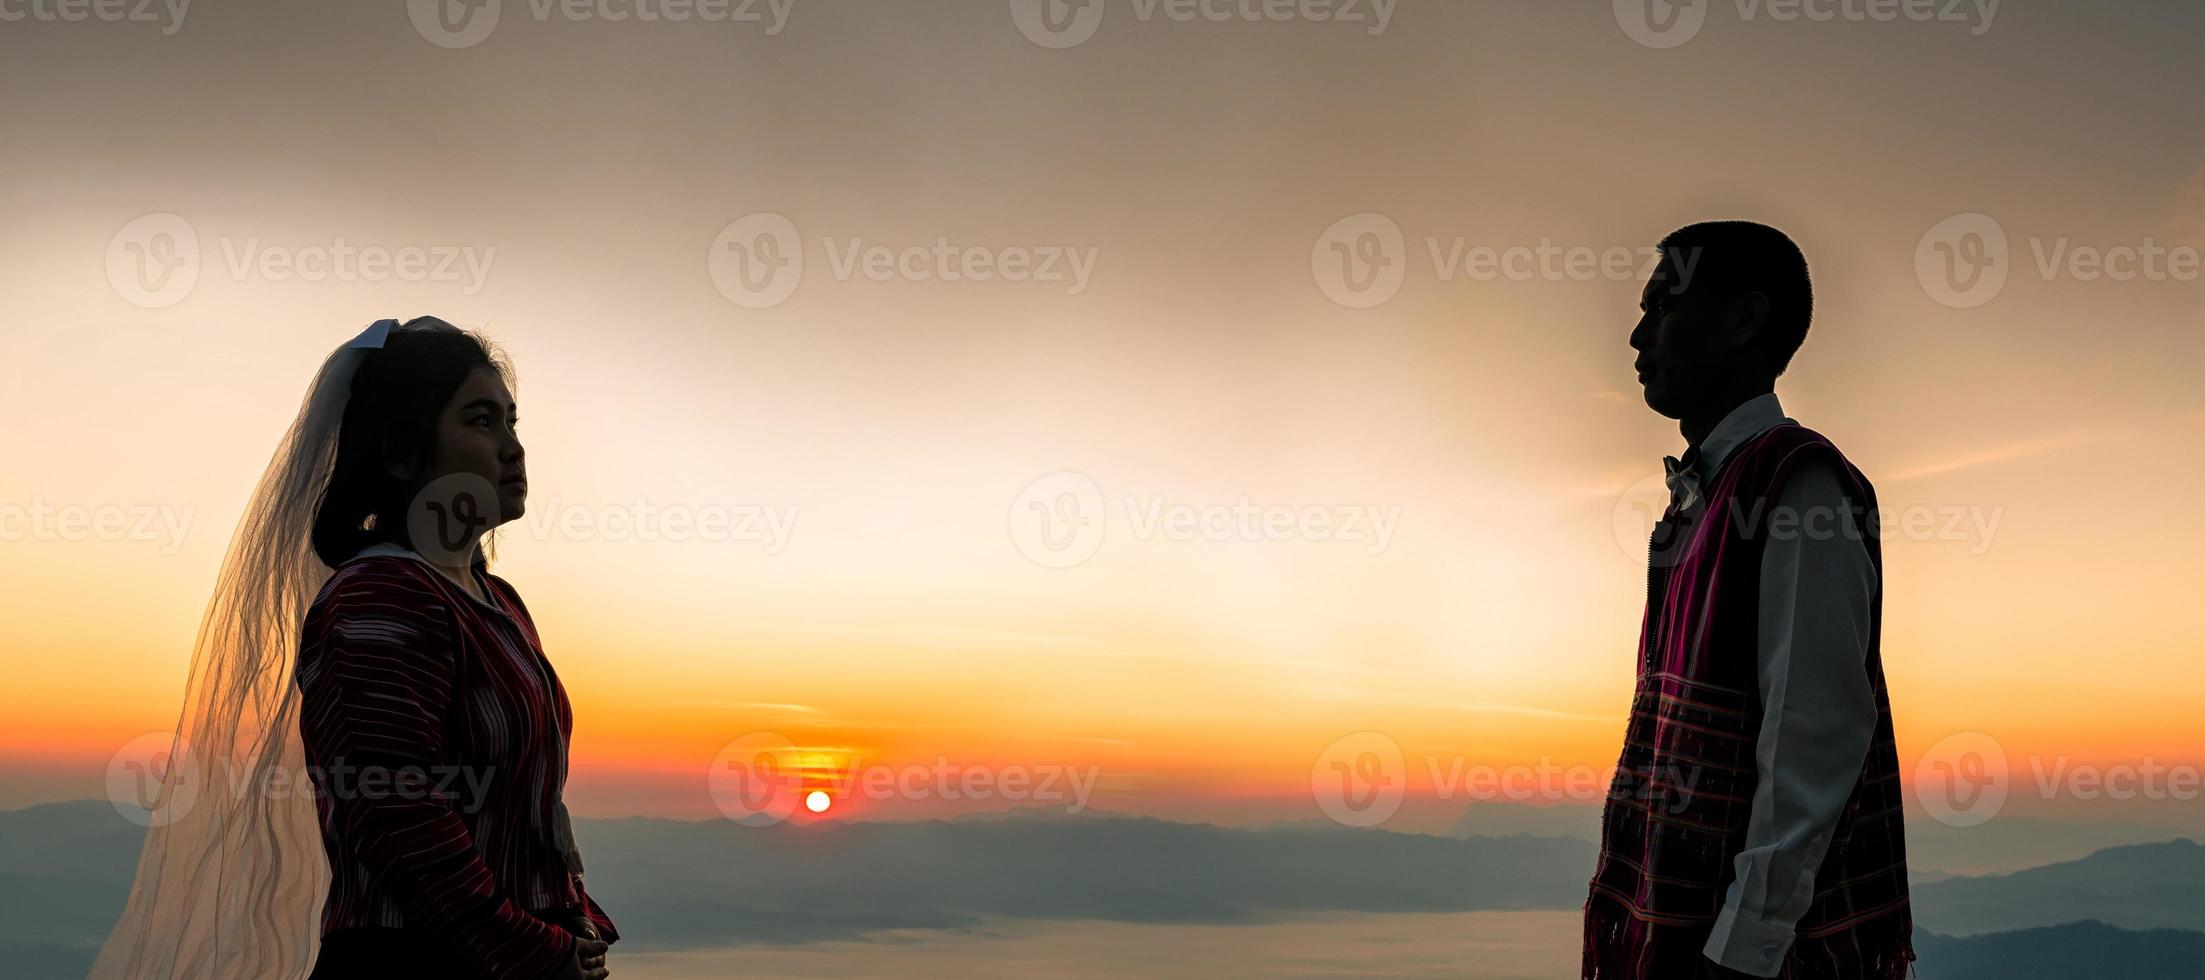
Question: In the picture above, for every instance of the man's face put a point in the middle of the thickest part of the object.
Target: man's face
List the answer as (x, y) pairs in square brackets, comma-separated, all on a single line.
[(1683, 346)]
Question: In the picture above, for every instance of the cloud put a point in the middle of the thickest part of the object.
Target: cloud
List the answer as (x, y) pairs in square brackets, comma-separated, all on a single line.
[(955, 636), (1983, 457), (750, 705), (1467, 707)]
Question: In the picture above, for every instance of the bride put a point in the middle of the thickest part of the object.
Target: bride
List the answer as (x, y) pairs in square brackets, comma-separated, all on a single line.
[(356, 635)]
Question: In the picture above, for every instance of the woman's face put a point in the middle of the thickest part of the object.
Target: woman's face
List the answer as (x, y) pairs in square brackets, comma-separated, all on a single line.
[(477, 480)]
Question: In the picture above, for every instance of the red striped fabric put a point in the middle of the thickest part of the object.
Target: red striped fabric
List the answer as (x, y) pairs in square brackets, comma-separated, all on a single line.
[(436, 735)]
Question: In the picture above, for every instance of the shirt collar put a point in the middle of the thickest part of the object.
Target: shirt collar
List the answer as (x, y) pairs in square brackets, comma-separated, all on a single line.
[(387, 549), (1759, 414), (1700, 463)]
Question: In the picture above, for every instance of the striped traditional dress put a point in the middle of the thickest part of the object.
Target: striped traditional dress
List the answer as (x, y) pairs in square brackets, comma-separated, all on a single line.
[(435, 733)]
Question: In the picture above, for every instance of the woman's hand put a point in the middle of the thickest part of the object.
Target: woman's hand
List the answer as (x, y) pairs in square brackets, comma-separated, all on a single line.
[(581, 925), (588, 962)]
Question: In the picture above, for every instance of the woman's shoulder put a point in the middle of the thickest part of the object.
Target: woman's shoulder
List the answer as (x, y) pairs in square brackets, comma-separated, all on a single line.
[(379, 585), (381, 610)]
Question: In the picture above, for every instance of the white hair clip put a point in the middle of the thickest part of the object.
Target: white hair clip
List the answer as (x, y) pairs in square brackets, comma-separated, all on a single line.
[(375, 335)]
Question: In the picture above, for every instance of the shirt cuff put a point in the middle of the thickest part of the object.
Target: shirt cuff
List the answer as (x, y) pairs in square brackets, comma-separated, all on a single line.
[(1748, 945)]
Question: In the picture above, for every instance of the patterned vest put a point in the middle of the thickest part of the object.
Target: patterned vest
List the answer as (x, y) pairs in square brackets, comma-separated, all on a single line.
[(1677, 811)]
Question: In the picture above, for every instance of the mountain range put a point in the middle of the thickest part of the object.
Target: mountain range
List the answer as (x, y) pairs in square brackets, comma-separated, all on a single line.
[(2133, 910)]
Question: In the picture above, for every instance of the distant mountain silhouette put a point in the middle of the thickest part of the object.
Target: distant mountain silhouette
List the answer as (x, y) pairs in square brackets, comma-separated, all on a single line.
[(860, 877), (2012, 843), (2143, 886), (1488, 819), (2076, 951), (65, 869), (2009, 843)]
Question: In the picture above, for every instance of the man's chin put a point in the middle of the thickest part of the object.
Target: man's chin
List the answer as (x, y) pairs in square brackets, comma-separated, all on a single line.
[(1660, 402)]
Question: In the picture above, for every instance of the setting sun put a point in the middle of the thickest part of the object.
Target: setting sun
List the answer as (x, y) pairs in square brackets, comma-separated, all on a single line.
[(817, 801)]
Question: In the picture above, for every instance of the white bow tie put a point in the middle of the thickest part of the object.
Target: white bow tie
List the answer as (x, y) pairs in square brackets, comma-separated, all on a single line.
[(1683, 479)]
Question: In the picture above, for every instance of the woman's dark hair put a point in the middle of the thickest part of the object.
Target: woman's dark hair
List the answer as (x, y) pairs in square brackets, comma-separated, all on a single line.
[(398, 392)]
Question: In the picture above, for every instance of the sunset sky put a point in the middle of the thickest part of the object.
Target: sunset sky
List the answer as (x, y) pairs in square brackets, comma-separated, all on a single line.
[(2045, 438)]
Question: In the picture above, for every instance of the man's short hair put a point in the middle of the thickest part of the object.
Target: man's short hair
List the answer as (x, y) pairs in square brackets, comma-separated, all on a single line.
[(1732, 258)]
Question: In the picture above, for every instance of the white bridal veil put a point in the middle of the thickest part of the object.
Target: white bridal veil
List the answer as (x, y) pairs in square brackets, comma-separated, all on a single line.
[(231, 880)]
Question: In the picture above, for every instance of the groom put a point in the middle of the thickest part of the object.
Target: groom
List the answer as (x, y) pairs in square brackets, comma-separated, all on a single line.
[(1754, 826)]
